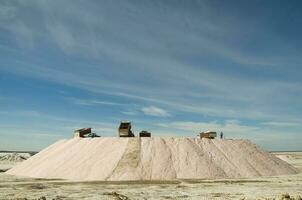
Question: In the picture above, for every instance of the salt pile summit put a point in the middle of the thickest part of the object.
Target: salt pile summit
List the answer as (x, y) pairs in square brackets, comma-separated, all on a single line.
[(151, 158)]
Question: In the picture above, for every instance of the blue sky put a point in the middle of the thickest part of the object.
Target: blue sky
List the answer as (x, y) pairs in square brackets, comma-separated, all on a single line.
[(172, 67)]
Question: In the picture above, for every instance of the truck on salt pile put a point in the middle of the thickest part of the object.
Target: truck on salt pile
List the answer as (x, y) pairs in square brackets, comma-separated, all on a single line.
[(208, 134), (84, 132), (144, 134), (124, 129)]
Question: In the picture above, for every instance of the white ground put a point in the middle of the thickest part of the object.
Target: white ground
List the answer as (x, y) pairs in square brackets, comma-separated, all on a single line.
[(12, 187)]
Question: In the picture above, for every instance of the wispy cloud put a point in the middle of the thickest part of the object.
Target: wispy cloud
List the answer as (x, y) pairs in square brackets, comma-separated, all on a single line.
[(131, 113), (23, 113), (215, 87), (281, 124), (76, 122), (155, 111), (89, 102), (233, 127)]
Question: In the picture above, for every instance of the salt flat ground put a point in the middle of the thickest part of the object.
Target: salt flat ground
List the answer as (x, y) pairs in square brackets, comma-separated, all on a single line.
[(12, 187)]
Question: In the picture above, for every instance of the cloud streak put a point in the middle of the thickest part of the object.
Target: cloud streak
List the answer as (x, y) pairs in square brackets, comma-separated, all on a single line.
[(228, 126), (91, 102), (155, 111)]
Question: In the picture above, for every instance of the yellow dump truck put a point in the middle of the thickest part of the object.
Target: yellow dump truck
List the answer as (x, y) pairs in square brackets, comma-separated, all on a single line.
[(208, 134), (124, 129)]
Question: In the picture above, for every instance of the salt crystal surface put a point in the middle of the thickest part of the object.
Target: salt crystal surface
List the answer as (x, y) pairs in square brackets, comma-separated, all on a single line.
[(155, 158)]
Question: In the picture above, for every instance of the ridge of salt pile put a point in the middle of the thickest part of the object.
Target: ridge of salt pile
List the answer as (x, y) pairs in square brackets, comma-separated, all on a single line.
[(143, 159)]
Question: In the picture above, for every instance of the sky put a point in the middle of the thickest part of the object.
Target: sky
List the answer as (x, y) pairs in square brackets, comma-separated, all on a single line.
[(175, 68)]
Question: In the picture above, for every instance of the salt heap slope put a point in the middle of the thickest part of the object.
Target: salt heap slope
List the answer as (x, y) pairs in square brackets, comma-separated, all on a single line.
[(126, 159)]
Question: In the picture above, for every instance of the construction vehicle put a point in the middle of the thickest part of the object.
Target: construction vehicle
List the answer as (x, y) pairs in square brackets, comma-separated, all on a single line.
[(144, 134), (124, 129), (208, 134), (92, 135), (84, 132)]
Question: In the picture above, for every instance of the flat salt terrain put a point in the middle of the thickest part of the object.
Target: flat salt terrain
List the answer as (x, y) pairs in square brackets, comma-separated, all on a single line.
[(12, 187)]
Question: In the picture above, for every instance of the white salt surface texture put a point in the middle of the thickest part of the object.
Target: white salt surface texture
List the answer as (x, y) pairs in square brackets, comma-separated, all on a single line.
[(13, 157), (145, 159)]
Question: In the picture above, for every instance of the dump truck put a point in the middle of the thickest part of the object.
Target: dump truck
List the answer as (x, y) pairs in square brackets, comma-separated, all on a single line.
[(208, 134), (82, 132), (124, 129), (144, 134)]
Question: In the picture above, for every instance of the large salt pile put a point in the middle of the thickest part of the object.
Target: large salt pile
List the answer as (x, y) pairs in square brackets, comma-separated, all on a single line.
[(116, 159)]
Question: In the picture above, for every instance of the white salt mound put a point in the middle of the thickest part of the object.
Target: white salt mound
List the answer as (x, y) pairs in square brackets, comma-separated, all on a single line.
[(126, 159), (286, 158), (13, 157)]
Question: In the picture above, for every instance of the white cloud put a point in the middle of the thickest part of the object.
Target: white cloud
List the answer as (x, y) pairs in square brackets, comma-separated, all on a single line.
[(233, 127), (51, 118), (155, 111), (131, 113), (91, 102), (286, 124), (22, 113), (64, 38)]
